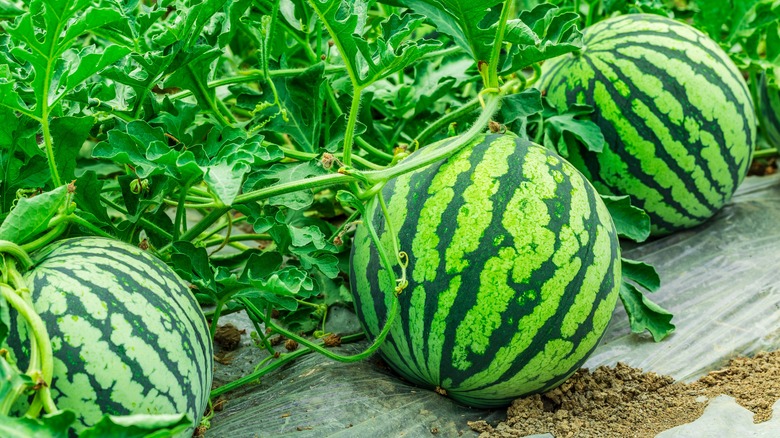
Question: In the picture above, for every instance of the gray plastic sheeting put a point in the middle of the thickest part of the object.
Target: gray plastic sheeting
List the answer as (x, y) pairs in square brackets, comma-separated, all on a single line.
[(719, 280)]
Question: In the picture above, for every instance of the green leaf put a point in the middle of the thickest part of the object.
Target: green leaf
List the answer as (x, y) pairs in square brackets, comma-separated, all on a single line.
[(260, 266), (23, 164), (49, 426), (68, 135), (281, 287), (644, 314), (539, 34), (10, 376), (54, 74), (192, 264), (146, 149), (235, 158), (428, 93), (283, 173), (517, 108), (141, 72), (301, 98), (138, 426), (9, 10), (563, 130), (328, 264), (464, 20), (631, 222), (192, 69), (32, 215), (87, 197), (348, 199), (643, 274), (392, 51)]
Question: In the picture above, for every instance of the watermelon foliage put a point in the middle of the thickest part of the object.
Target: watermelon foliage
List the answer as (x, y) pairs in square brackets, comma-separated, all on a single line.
[(513, 269), (677, 117), (128, 336)]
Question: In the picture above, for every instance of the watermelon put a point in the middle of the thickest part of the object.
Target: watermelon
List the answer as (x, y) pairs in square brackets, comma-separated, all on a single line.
[(769, 107), (128, 336), (677, 116), (513, 270)]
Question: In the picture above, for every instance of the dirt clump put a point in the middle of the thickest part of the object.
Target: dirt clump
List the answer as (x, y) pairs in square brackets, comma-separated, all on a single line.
[(622, 401)]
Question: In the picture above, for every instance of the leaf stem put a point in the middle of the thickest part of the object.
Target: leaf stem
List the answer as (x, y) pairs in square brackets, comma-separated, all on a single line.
[(443, 151), (55, 174), (445, 120), (351, 122), (318, 347), (495, 54), (8, 247)]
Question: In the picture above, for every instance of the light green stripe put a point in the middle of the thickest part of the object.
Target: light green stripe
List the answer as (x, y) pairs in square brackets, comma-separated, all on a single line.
[(476, 212), (595, 275), (417, 318), (440, 195)]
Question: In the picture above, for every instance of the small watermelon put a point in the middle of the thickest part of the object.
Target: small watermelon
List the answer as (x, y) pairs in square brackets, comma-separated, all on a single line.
[(677, 116), (127, 335), (513, 270)]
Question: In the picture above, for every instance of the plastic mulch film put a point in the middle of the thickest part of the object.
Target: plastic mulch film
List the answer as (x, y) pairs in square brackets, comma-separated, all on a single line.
[(720, 280)]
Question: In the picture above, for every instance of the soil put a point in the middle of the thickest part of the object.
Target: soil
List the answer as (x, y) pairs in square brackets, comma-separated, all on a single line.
[(624, 402)]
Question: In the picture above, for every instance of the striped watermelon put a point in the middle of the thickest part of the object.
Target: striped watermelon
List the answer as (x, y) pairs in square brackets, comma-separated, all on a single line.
[(127, 334), (769, 107), (675, 111), (513, 272)]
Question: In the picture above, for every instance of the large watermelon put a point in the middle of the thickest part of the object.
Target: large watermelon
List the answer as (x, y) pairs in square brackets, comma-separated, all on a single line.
[(769, 107), (513, 269), (677, 115), (127, 334)]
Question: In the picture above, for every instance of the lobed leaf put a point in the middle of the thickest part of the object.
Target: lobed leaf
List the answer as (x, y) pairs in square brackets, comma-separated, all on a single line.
[(541, 33), (631, 222), (465, 20), (31, 216), (368, 62), (643, 314)]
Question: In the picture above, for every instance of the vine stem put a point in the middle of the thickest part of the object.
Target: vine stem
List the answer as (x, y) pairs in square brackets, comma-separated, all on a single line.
[(351, 122), (318, 347), (8, 247), (495, 53), (55, 174), (40, 337), (442, 151), (765, 153)]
